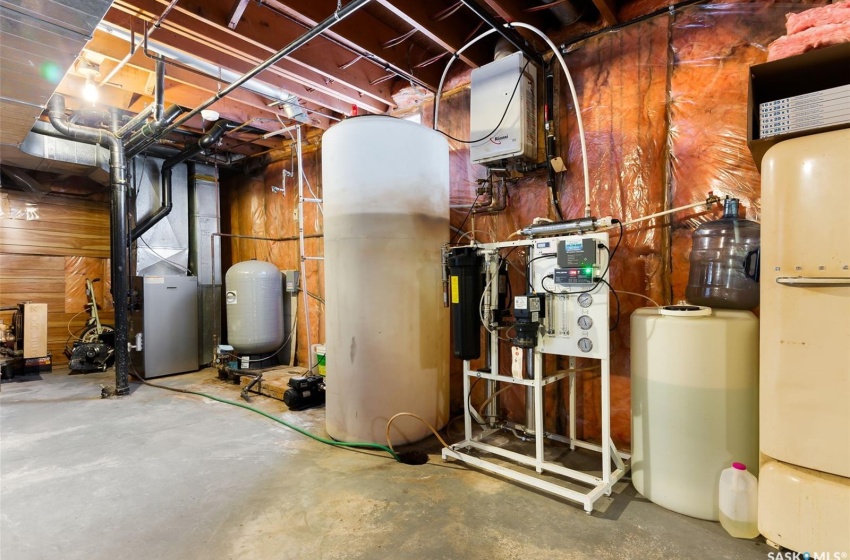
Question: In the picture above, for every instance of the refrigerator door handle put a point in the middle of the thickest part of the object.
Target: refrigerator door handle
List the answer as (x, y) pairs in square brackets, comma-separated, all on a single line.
[(812, 282)]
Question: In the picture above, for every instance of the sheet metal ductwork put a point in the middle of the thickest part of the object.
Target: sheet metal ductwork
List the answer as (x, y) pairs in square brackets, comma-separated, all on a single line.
[(163, 249), (205, 252), (46, 149), (166, 171), (40, 42)]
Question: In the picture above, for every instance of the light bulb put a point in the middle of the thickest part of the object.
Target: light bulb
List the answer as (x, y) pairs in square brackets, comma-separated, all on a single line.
[(90, 92)]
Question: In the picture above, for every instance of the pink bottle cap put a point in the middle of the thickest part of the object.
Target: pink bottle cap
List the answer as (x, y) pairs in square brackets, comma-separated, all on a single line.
[(739, 466)]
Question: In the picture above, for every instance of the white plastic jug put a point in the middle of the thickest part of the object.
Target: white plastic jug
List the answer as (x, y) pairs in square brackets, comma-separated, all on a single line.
[(739, 502)]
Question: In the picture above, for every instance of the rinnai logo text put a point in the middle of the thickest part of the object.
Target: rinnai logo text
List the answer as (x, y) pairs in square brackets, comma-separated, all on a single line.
[(806, 556), (498, 139)]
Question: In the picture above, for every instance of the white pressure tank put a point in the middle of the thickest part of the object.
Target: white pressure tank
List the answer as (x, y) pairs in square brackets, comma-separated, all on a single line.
[(694, 403), (386, 215), (254, 303)]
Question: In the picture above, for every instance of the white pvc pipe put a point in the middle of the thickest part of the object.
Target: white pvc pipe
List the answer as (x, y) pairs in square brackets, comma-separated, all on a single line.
[(446, 71), (303, 248), (664, 213)]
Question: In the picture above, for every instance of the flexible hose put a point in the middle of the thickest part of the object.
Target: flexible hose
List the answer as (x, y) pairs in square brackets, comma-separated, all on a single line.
[(326, 441), (457, 54), (430, 427), (655, 303)]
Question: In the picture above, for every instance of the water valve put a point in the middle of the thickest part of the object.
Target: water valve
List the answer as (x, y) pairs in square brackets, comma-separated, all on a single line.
[(138, 345)]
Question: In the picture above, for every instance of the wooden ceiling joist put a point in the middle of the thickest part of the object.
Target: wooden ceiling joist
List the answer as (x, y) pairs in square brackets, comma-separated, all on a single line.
[(239, 64), (515, 10), (449, 34), (365, 32), (192, 33), (608, 11), (236, 13)]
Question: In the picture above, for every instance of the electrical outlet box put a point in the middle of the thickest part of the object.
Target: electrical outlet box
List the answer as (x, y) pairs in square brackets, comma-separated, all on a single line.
[(493, 85), (292, 279)]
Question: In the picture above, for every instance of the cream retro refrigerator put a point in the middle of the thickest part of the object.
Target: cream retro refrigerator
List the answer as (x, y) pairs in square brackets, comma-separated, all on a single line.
[(804, 481)]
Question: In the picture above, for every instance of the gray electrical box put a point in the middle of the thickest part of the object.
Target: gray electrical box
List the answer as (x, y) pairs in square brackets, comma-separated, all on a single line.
[(165, 312), (576, 253), (292, 279)]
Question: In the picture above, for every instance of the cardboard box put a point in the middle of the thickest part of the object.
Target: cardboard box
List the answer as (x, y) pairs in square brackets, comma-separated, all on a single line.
[(35, 330)]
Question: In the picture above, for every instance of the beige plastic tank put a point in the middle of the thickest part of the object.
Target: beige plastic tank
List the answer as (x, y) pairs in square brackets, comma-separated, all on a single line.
[(694, 403), (386, 215)]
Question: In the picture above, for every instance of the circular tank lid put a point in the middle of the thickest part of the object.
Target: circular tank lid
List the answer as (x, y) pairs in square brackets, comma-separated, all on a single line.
[(685, 310)]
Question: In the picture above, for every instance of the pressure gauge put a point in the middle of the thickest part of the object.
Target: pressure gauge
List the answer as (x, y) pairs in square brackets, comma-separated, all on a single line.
[(585, 300), (585, 344), (585, 322)]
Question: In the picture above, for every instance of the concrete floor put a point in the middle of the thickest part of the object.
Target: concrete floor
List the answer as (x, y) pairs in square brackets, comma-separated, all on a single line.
[(170, 476)]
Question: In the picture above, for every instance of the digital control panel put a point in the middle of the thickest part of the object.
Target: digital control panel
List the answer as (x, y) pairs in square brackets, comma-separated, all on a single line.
[(575, 318), (573, 275)]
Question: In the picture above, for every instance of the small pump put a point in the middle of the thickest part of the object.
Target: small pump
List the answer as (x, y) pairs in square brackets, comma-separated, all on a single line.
[(529, 309), (305, 392)]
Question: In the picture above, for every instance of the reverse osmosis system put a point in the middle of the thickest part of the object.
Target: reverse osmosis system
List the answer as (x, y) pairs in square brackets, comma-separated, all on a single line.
[(561, 309)]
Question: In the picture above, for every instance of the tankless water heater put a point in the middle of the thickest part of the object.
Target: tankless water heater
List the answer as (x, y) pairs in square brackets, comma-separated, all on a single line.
[(508, 87)]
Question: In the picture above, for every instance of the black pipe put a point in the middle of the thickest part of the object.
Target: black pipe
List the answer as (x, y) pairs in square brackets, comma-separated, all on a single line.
[(118, 226), (206, 142), (159, 92), (258, 377), (158, 107), (148, 134), (341, 13), (549, 125), (671, 9), (135, 122), (507, 32)]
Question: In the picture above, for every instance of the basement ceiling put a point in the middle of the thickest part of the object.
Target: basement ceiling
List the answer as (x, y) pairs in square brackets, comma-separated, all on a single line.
[(355, 67)]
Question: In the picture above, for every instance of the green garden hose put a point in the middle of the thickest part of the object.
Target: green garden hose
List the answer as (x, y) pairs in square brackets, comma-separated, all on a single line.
[(350, 444)]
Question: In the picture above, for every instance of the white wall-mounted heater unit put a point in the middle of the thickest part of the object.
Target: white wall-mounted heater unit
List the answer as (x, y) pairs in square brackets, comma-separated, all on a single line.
[(506, 87)]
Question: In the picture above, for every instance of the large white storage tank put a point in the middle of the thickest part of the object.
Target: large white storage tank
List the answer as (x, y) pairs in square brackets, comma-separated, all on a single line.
[(254, 303), (694, 403), (386, 211)]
